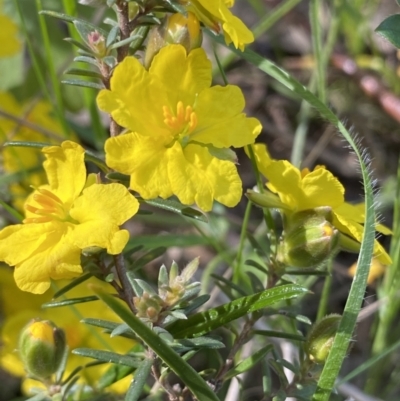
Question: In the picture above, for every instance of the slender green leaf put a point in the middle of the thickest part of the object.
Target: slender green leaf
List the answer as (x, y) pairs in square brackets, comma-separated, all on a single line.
[(147, 258), (108, 356), (18, 216), (72, 285), (176, 207), (87, 60), (139, 380), (83, 73), (182, 369), (204, 322), (67, 302), (249, 362), (26, 144), (84, 84)]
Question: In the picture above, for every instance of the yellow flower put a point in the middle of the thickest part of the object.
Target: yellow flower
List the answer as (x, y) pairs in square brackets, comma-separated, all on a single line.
[(302, 190), (181, 128), (26, 162), (215, 14), (62, 218), (78, 335), (10, 43)]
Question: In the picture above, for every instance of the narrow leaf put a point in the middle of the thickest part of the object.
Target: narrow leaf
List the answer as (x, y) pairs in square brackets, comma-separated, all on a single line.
[(204, 322), (176, 207), (83, 73), (139, 380), (107, 356), (249, 362), (71, 301), (84, 84), (72, 285)]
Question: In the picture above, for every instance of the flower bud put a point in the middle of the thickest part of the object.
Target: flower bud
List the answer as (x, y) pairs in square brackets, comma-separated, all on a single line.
[(148, 306), (320, 339), (175, 29), (42, 346), (97, 43), (309, 238)]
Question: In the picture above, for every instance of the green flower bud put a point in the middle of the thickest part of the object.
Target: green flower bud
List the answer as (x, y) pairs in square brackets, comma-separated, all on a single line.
[(148, 306), (309, 238), (175, 29), (320, 339), (42, 346)]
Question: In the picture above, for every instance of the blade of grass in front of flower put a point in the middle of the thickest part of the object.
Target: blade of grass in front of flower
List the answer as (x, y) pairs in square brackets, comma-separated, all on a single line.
[(388, 291), (139, 380), (249, 362), (204, 322), (356, 295), (18, 216), (72, 285), (52, 71), (181, 368)]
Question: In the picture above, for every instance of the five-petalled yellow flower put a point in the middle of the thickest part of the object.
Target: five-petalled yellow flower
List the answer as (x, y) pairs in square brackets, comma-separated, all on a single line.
[(303, 190), (181, 129), (71, 213)]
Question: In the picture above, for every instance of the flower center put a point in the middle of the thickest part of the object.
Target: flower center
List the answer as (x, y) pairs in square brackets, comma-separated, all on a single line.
[(50, 208), (182, 123)]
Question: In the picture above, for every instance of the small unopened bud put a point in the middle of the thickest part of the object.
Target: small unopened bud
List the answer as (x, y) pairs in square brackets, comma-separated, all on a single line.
[(42, 346), (309, 238), (175, 29), (97, 43), (320, 339), (148, 306)]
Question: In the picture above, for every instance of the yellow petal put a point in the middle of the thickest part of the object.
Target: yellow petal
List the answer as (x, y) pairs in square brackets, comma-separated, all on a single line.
[(56, 259), (220, 125), (65, 169), (187, 74), (262, 157), (318, 188), (355, 230), (100, 210), (197, 177), (145, 159), (18, 242)]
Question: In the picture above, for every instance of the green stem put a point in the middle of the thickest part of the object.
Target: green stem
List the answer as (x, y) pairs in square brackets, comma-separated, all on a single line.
[(238, 265), (323, 303), (316, 35)]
